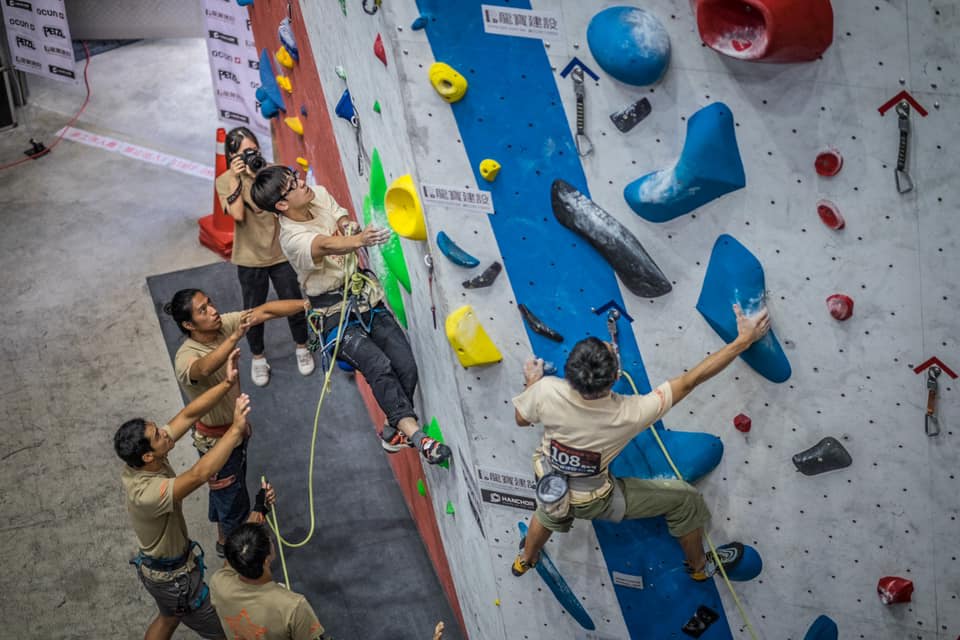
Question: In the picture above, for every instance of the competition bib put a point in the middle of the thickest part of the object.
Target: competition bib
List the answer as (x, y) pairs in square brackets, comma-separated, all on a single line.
[(571, 460)]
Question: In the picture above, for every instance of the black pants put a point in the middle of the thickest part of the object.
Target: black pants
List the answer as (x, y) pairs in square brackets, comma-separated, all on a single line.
[(255, 285), (384, 357)]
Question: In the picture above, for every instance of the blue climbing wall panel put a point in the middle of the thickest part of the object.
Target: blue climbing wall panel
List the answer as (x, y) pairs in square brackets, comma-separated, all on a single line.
[(558, 274)]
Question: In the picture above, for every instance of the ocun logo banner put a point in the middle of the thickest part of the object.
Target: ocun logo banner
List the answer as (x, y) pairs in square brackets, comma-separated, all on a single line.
[(39, 38)]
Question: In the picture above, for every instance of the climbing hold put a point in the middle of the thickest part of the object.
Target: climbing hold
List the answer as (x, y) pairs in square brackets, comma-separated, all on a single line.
[(830, 215), (284, 58), (489, 169), (537, 326), (695, 453), (630, 44), (485, 279), (826, 455), (271, 98), (615, 242), (894, 590), (268, 108), (244, 3), (742, 423), (284, 83), (628, 117), (450, 510), (303, 110), (748, 567), (294, 124), (828, 163), (496, 602), (304, 164), (734, 275), (289, 42), (700, 621), (419, 23), (470, 342), (379, 51), (392, 251), (433, 430), (341, 72), (391, 291), (376, 106), (447, 82), (421, 488), (404, 211), (840, 306), (345, 108), (823, 628), (766, 30), (709, 167), (454, 253)]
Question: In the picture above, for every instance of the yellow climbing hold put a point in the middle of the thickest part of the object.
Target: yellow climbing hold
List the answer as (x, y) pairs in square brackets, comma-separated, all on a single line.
[(489, 169), (285, 84), (284, 58), (404, 211), (496, 602), (448, 83), (304, 164), (470, 342), (295, 124)]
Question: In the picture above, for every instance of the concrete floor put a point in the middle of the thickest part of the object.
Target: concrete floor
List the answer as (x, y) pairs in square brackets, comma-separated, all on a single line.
[(81, 350)]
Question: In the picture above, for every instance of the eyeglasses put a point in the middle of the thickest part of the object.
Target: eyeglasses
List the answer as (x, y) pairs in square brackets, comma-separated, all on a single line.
[(290, 175)]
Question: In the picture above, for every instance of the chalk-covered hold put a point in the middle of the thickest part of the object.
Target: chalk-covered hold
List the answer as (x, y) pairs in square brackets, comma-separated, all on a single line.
[(404, 211), (630, 44), (894, 590), (840, 306), (469, 340)]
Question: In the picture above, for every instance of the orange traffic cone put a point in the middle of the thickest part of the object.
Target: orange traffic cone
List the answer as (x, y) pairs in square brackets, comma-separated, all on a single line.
[(216, 229)]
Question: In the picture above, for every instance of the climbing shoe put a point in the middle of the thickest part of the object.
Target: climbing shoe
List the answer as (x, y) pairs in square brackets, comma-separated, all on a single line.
[(393, 440), (434, 451), (520, 566), (729, 555)]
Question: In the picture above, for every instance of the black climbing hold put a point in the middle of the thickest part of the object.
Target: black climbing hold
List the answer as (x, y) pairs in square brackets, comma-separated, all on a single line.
[(575, 211), (485, 279), (537, 326), (826, 455), (628, 117), (700, 622)]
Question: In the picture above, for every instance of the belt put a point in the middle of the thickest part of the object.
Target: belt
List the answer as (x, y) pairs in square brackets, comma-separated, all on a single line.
[(212, 431), (325, 299), (580, 484)]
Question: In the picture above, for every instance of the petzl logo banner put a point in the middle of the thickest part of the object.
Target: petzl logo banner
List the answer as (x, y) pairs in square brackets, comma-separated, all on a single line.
[(38, 35)]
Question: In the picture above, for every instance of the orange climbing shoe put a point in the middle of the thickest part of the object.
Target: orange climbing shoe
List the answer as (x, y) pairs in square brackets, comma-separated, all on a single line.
[(393, 440), (433, 450), (729, 555)]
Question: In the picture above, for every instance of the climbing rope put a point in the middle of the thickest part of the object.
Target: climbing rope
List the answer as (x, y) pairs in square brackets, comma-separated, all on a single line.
[(713, 549)]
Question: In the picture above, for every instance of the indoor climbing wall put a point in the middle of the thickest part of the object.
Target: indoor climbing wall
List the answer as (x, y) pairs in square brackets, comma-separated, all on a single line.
[(718, 180)]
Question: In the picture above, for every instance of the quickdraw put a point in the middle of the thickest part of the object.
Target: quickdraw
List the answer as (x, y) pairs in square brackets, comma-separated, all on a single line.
[(584, 146), (903, 180), (930, 424)]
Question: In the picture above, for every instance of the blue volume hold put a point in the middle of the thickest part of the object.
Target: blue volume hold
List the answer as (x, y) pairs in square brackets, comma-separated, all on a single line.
[(268, 82), (709, 167), (559, 587), (345, 108), (823, 628), (630, 44), (454, 253), (695, 454), (734, 275)]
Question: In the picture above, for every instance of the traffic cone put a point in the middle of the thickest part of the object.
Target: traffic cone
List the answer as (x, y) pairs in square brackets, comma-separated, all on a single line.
[(216, 229)]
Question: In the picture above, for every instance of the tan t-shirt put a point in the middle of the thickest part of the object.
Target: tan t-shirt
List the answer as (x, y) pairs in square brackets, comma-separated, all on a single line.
[(261, 611), (582, 437), (188, 353), (157, 519), (256, 241), (327, 275)]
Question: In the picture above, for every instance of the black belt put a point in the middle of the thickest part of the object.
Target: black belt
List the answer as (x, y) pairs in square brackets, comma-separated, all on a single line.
[(162, 564), (325, 299)]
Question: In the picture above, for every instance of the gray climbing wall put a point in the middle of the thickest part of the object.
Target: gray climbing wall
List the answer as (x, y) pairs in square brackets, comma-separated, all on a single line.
[(827, 539)]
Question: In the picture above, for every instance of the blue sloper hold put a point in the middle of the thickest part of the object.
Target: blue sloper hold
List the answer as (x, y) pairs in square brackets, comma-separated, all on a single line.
[(823, 628), (709, 167), (271, 99), (695, 454), (748, 568), (285, 33), (630, 44), (454, 253), (734, 275)]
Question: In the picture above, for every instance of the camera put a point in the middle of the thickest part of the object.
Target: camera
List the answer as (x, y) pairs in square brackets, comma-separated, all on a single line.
[(253, 159)]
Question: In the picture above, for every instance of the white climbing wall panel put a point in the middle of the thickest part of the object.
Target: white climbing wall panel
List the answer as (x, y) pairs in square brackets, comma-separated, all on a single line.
[(827, 539)]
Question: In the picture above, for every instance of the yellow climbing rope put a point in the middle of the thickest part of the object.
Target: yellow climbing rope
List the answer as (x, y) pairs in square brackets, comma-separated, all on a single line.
[(713, 549)]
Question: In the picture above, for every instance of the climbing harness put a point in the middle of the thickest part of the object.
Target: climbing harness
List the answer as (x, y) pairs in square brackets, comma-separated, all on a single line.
[(930, 424), (903, 180), (584, 146), (172, 564), (376, 6), (428, 260)]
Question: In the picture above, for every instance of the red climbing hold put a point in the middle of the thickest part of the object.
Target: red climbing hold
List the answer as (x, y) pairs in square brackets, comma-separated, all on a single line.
[(828, 163), (892, 590), (379, 51), (830, 215), (742, 422), (840, 306)]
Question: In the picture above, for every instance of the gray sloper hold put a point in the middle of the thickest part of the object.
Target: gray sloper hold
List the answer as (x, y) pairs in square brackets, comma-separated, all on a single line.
[(639, 273), (826, 455)]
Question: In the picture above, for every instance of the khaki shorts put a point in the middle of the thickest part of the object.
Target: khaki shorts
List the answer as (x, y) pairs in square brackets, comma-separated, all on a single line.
[(681, 505)]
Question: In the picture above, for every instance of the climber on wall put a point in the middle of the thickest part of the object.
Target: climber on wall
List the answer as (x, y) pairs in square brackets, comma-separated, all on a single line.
[(586, 426), (321, 242)]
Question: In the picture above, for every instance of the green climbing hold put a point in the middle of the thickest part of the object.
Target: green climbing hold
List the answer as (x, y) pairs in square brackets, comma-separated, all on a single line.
[(450, 510), (376, 106), (421, 489), (392, 251), (433, 430), (391, 291), (343, 6)]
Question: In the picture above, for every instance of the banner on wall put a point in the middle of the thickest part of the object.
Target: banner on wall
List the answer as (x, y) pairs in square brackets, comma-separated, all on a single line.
[(39, 38), (234, 67)]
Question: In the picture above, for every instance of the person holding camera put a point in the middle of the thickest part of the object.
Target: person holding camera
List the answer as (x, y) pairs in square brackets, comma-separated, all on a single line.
[(256, 250)]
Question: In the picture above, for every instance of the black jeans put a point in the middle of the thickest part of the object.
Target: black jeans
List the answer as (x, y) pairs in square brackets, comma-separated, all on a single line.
[(384, 357), (255, 285)]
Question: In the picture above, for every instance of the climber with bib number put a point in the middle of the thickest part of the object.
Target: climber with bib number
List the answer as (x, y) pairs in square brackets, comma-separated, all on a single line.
[(586, 425), (322, 243)]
